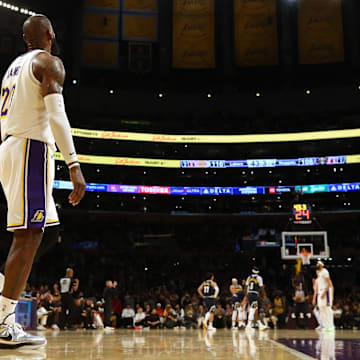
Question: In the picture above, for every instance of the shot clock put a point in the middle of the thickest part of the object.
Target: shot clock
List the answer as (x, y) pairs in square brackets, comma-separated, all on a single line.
[(301, 213)]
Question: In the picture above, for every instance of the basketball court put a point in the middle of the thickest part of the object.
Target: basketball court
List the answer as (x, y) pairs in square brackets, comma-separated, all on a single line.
[(195, 344)]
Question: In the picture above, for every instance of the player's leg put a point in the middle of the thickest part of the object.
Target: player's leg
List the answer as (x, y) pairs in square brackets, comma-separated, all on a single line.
[(317, 316), (50, 238), (322, 304), (234, 316), (254, 313), (18, 267), (252, 310), (207, 315), (24, 167), (329, 311), (211, 317), (242, 316)]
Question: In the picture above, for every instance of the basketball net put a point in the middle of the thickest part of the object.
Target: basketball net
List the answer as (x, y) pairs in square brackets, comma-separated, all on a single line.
[(305, 257)]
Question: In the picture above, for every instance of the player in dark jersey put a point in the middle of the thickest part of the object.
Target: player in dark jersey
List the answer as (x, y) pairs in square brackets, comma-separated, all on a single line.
[(254, 285), (209, 291), (237, 297)]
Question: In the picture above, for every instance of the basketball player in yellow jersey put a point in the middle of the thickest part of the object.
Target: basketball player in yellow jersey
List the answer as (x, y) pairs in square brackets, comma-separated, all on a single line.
[(33, 119)]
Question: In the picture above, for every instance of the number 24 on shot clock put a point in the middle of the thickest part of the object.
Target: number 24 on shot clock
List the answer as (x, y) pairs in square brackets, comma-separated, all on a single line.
[(301, 213)]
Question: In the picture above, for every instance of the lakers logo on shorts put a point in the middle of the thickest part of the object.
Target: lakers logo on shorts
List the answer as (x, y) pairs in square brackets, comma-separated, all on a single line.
[(39, 216)]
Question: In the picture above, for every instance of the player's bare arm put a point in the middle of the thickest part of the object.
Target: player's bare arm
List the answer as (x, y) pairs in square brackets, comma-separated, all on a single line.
[(329, 286), (50, 72), (217, 290), (232, 290), (200, 291), (315, 293)]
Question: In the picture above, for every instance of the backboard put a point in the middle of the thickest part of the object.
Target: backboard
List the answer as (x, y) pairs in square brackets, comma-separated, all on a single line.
[(312, 241)]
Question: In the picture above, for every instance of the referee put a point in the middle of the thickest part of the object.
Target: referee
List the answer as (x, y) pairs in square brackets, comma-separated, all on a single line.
[(68, 288)]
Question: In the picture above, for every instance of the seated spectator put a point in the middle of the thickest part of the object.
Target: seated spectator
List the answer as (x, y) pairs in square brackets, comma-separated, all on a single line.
[(159, 310), (147, 310), (219, 320), (98, 322), (266, 311), (77, 315), (170, 318), (153, 320), (180, 314), (139, 319), (279, 309), (48, 313), (127, 316), (228, 316), (42, 316), (88, 313), (190, 319), (161, 313), (337, 310), (274, 319), (347, 318)]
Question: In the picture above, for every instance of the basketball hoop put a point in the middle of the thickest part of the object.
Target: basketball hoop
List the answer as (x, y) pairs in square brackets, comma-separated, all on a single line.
[(305, 257)]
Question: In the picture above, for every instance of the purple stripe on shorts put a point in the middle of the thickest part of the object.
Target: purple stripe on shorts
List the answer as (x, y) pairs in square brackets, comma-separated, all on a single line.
[(36, 185), (328, 298)]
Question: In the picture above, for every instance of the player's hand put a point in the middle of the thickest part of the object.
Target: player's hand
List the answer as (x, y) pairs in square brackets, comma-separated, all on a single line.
[(323, 295), (314, 302), (79, 184)]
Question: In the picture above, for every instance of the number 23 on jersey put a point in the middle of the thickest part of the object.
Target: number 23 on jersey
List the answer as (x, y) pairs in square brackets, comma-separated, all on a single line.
[(7, 95)]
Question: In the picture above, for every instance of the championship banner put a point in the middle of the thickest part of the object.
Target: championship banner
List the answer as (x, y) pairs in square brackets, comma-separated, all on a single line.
[(194, 34), (140, 27), (256, 35), (140, 5), (320, 28), (103, 4), (194, 7), (101, 25), (217, 139), (100, 53)]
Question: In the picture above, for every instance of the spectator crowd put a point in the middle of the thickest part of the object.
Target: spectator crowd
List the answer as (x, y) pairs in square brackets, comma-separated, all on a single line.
[(162, 308)]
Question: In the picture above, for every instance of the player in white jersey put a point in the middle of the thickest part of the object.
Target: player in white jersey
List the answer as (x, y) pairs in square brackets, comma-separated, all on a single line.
[(33, 118), (316, 308), (323, 297)]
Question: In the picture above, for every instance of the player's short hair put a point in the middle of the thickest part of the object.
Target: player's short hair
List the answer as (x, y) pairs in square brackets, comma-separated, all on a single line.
[(210, 275)]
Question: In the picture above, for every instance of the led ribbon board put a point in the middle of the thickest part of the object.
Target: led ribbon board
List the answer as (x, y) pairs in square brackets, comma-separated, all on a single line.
[(216, 164), (225, 191), (217, 139)]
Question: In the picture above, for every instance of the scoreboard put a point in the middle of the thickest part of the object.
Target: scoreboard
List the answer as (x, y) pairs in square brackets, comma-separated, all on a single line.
[(301, 213)]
